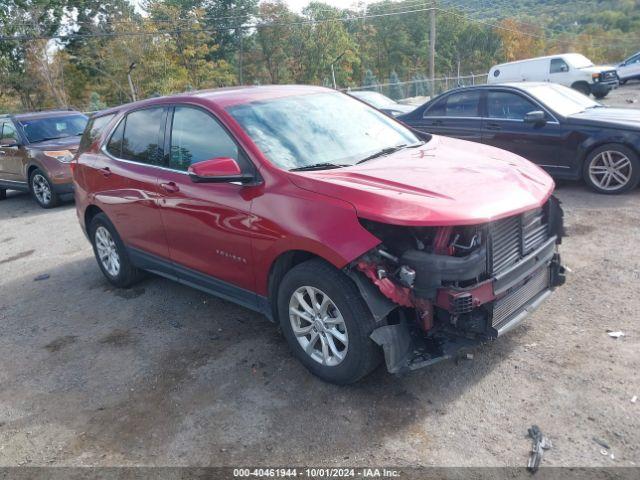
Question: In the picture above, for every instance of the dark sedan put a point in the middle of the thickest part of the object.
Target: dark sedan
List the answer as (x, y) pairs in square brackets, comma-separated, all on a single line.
[(382, 103), (561, 130)]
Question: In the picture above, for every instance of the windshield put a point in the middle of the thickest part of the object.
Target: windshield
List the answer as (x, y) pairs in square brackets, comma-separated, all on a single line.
[(50, 128), (579, 61), (563, 100), (374, 98), (324, 128)]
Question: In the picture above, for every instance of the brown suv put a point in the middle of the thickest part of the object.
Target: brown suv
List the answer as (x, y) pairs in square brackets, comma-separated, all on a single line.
[(35, 153)]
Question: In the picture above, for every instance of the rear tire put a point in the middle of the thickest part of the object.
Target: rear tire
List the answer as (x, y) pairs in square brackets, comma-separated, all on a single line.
[(41, 189), (337, 347), (612, 169), (111, 254), (3, 193), (600, 96)]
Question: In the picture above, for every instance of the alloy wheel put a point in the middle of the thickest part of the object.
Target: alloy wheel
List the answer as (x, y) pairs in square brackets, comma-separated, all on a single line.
[(610, 170), (107, 251), (318, 326), (41, 189)]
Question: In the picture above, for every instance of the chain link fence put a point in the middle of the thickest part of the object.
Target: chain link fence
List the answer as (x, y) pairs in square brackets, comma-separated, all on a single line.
[(420, 89)]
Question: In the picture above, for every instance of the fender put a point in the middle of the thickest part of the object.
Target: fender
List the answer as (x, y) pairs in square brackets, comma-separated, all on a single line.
[(290, 218)]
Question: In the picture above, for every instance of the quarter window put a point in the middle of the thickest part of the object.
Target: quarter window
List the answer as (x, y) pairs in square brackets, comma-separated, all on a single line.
[(196, 136), (506, 105), (558, 65), (114, 146), (93, 130)]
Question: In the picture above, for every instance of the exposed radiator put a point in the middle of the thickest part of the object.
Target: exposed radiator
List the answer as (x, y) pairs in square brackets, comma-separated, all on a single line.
[(519, 296), (514, 237)]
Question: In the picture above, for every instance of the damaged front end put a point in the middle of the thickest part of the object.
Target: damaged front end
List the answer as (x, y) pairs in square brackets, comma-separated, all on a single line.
[(437, 290)]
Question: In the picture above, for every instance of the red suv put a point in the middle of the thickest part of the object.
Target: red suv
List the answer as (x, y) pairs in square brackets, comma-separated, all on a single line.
[(362, 239)]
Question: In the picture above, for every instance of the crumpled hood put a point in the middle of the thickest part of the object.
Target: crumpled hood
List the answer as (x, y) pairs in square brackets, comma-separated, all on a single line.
[(444, 182)]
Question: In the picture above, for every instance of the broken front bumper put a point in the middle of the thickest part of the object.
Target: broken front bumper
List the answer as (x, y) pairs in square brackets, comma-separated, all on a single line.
[(477, 313)]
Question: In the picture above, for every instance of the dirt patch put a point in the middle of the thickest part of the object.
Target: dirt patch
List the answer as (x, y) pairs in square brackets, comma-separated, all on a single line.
[(129, 293), (18, 256), (579, 229), (119, 338), (60, 343)]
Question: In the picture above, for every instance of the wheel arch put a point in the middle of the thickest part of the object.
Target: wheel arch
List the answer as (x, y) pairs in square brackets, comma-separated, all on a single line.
[(591, 144), (580, 83), (89, 213), (279, 268), (30, 169)]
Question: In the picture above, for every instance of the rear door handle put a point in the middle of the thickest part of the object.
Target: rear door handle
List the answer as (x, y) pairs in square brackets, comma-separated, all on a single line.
[(493, 126), (170, 187), (106, 172), (436, 123)]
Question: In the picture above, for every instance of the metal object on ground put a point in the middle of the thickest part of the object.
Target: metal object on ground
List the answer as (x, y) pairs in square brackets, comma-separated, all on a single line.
[(539, 445)]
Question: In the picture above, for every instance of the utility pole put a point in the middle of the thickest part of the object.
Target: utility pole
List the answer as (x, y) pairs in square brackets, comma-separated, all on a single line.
[(240, 59), (432, 42), (133, 91), (333, 71)]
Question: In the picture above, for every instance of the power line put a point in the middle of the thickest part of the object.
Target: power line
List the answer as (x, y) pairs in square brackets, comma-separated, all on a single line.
[(207, 30)]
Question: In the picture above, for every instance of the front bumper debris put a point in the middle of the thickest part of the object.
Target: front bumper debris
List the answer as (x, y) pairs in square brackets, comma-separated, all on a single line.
[(487, 310)]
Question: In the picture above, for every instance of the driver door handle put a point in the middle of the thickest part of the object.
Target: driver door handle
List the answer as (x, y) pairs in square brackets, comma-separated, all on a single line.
[(170, 187), (106, 172), (493, 126)]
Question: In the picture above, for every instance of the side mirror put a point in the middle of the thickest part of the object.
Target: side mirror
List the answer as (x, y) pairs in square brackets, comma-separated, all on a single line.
[(537, 117), (218, 170)]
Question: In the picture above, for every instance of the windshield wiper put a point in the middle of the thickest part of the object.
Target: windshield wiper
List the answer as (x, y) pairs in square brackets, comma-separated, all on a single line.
[(50, 138), (318, 166), (388, 151)]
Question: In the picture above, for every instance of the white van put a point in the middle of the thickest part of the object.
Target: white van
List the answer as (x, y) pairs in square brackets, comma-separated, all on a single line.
[(569, 69)]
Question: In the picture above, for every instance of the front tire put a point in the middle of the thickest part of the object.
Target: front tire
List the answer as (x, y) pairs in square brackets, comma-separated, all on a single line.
[(111, 253), (327, 323), (612, 169), (3, 193), (41, 190)]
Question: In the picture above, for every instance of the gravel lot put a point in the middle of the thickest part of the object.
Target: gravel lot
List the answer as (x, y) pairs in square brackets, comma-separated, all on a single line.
[(164, 375)]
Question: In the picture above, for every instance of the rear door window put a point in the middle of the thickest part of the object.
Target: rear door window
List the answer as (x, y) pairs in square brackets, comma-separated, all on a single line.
[(141, 141), (463, 104), (8, 134), (137, 137), (460, 104)]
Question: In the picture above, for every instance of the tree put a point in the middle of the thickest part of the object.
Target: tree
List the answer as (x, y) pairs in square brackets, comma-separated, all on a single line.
[(95, 103), (370, 81), (519, 40), (395, 89)]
